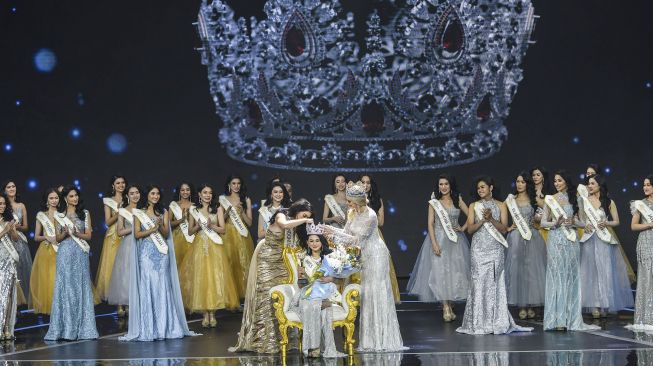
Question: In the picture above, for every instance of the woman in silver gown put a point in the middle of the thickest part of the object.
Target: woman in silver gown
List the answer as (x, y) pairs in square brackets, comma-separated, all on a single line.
[(8, 269), (486, 311)]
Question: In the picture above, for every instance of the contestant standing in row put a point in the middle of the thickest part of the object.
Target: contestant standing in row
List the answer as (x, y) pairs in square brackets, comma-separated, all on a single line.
[(22, 228), (44, 268), (179, 208), (9, 258), (642, 222)]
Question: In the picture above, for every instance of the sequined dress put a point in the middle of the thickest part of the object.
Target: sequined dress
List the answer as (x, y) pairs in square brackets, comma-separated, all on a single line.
[(239, 250), (486, 311), (25, 263), (445, 277), (206, 284), (259, 331), (378, 327), (41, 281), (526, 264), (643, 300), (8, 290), (604, 279), (73, 315), (562, 301), (119, 285)]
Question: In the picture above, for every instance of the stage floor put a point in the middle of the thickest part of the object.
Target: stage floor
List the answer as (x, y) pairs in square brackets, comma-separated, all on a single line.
[(431, 342)]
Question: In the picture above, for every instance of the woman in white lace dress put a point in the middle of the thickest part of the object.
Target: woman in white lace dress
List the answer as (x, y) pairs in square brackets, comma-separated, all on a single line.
[(379, 327)]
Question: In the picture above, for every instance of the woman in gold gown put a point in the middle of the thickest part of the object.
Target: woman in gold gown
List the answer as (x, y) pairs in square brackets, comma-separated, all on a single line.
[(45, 261), (206, 285), (235, 215), (259, 331), (184, 196), (111, 242)]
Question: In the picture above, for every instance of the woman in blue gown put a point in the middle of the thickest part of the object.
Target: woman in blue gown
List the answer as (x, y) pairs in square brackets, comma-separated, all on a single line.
[(155, 306), (73, 315)]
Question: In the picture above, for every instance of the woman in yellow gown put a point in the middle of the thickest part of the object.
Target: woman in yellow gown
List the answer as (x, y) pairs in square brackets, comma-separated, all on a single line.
[(184, 196), (376, 203), (45, 261), (111, 242), (206, 284), (235, 215)]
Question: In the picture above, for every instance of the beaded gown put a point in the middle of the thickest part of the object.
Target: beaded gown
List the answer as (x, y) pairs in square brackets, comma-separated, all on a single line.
[(206, 285), (8, 290), (486, 311), (41, 281), (119, 285), (562, 301), (24, 268), (445, 277), (378, 327), (526, 264), (239, 250), (73, 315), (643, 300), (110, 247), (604, 278), (156, 310), (259, 331)]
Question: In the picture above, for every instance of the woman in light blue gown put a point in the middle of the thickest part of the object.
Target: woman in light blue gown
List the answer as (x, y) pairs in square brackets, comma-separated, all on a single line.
[(562, 301), (73, 316), (156, 310)]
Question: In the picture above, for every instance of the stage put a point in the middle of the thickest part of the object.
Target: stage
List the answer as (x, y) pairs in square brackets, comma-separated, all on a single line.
[(431, 342)]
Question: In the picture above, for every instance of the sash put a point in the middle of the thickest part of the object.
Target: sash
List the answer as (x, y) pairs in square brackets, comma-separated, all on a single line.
[(518, 218), (234, 216), (445, 220), (594, 217), (156, 236), (110, 203), (289, 238), (9, 244), (478, 209), (126, 215), (65, 221), (48, 228), (644, 210), (558, 212), (178, 213), (334, 206), (204, 224), (310, 266), (21, 236)]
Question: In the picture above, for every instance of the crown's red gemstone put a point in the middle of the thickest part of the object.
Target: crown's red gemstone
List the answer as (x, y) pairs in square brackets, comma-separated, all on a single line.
[(484, 109), (295, 41), (372, 117), (254, 113), (452, 37)]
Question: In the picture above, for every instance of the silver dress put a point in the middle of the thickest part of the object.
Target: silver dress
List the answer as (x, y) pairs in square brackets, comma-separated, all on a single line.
[(643, 300), (526, 265), (445, 277), (8, 292), (118, 293), (486, 311)]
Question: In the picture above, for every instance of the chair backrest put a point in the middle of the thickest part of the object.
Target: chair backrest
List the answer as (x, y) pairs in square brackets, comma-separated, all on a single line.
[(290, 261)]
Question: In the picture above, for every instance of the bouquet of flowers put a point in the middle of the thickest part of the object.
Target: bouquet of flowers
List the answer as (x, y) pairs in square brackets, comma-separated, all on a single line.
[(342, 262)]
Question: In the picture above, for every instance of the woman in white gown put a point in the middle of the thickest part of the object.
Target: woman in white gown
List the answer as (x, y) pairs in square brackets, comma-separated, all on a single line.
[(379, 327)]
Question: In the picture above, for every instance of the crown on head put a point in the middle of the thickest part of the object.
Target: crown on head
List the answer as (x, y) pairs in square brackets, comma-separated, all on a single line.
[(312, 229), (356, 190), (431, 88)]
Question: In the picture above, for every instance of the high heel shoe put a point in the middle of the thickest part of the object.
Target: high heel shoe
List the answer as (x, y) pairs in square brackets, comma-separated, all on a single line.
[(121, 312), (205, 321), (596, 314), (446, 314), (523, 314), (531, 313), (213, 322)]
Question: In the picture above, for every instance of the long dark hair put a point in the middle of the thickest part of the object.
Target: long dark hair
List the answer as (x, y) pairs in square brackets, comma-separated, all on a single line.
[(8, 215), (143, 203), (604, 198), (530, 187), (489, 181), (4, 189), (213, 205), (125, 198), (285, 202), (79, 210), (296, 207), (595, 166), (325, 246), (44, 198), (243, 189), (177, 196), (334, 190), (374, 197), (268, 186), (453, 188), (571, 188), (110, 191), (650, 179), (547, 187)]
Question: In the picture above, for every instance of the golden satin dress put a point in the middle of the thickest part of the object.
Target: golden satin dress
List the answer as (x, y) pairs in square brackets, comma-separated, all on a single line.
[(109, 250), (206, 285), (182, 246), (239, 251), (259, 331), (41, 282)]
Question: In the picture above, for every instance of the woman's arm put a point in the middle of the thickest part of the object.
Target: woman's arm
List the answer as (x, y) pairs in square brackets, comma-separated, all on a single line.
[(122, 229), (431, 222), (23, 226), (473, 227), (282, 221), (261, 227), (380, 216), (88, 229), (248, 212), (164, 228), (110, 217)]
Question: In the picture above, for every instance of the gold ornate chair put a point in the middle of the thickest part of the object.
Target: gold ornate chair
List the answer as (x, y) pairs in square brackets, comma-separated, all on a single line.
[(343, 315)]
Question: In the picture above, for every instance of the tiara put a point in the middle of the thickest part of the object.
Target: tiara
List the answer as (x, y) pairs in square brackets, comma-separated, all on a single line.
[(431, 88), (312, 229), (356, 190)]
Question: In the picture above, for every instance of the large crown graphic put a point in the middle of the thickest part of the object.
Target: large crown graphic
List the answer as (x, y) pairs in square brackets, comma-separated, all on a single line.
[(428, 87)]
